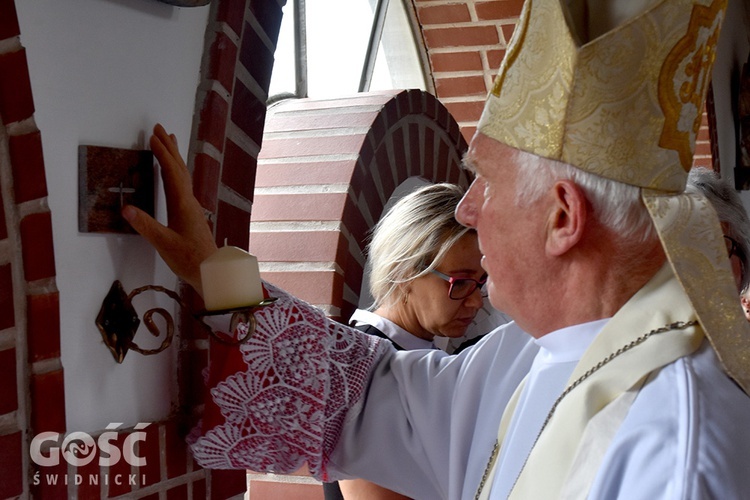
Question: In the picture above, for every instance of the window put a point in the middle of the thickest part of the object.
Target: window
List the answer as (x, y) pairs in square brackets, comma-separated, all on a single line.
[(333, 48)]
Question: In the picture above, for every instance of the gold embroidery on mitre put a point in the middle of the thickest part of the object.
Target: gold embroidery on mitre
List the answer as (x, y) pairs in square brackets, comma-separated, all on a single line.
[(607, 105), (684, 78)]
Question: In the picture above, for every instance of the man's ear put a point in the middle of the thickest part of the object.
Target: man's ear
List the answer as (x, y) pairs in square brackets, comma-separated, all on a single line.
[(567, 218)]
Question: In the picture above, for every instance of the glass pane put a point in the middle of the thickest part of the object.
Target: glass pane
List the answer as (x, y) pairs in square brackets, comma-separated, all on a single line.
[(337, 36), (283, 79), (397, 65)]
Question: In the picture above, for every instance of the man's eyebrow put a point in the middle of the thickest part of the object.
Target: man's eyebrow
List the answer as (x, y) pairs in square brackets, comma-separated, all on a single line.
[(467, 163)]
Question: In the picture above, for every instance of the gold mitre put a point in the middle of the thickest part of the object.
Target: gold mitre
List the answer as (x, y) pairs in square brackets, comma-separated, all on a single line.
[(616, 88)]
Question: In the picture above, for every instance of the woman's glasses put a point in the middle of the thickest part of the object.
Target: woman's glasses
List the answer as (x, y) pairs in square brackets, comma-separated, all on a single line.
[(461, 287)]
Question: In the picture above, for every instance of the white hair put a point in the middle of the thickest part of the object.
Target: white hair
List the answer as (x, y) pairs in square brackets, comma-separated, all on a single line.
[(617, 206)]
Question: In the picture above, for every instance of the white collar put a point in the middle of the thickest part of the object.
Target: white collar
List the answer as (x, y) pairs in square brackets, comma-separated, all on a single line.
[(569, 343), (391, 330)]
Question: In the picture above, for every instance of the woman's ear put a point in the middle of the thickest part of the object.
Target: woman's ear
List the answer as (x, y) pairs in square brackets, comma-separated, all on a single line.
[(567, 218)]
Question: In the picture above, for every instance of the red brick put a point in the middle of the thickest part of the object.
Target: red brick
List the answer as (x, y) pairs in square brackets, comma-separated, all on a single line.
[(498, 9), (213, 119), (256, 57), (149, 450), (175, 450), (238, 170), (268, 13), (192, 386), (178, 493), (119, 470), (227, 483), (27, 161), (16, 101), (703, 162), (48, 402), (91, 478), (314, 146), (465, 111), (428, 162), (399, 149), (307, 246), (44, 326), (324, 287), (443, 14), (36, 246), (415, 158), (460, 86), (494, 58), (52, 482), (231, 12), (461, 37), (442, 161), (9, 387), (7, 312), (199, 489), (3, 227), (302, 174), (206, 174), (248, 112), (283, 491), (468, 132), (8, 20), (456, 61), (384, 167), (703, 148), (307, 207), (232, 226), (507, 30), (222, 61), (365, 187), (292, 122)]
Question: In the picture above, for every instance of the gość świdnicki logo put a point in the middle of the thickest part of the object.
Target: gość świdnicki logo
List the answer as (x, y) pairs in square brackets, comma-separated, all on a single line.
[(80, 449)]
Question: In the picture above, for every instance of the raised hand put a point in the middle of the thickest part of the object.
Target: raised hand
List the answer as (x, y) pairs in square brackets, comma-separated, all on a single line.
[(187, 239)]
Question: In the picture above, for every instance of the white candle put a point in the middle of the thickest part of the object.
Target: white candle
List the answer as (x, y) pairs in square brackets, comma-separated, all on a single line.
[(230, 279)]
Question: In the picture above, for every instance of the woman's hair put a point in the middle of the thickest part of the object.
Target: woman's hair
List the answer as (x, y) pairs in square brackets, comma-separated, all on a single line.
[(617, 206), (729, 209), (412, 238)]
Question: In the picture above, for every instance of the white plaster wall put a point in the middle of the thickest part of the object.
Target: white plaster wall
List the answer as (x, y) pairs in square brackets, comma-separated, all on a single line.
[(102, 73)]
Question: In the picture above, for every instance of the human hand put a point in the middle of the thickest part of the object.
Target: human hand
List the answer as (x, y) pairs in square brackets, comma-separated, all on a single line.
[(187, 239)]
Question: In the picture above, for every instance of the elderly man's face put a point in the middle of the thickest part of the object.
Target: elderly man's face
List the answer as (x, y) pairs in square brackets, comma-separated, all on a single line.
[(511, 238)]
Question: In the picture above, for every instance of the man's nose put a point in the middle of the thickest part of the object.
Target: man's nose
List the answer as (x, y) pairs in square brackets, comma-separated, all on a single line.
[(466, 209)]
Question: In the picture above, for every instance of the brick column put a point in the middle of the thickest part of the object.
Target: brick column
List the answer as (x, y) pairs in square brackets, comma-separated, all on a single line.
[(465, 42), (32, 396)]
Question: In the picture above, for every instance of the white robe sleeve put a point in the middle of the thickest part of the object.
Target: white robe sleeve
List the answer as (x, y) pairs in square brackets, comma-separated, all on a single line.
[(307, 389), (429, 420)]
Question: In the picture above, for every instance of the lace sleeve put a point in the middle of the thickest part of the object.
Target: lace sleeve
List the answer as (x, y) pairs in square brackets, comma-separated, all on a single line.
[(286, 403)]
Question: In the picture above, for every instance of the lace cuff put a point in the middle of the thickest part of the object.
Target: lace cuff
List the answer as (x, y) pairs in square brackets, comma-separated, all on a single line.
[(281, 398)]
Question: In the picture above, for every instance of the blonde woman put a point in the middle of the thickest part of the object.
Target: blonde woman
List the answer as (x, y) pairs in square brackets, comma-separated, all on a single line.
[(425, 279)]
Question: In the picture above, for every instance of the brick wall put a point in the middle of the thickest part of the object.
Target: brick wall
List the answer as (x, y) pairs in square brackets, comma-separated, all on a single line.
[(325, 172), (32, 393), (465, 43), (226, 138)]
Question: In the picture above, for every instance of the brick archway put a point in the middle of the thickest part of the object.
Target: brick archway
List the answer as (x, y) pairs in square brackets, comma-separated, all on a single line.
[(325, 172)]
